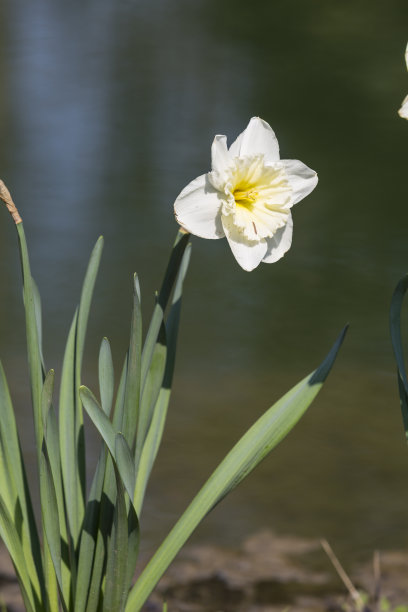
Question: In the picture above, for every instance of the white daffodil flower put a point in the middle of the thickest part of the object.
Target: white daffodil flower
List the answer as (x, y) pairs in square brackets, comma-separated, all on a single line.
[(403, 111), (247, 196)]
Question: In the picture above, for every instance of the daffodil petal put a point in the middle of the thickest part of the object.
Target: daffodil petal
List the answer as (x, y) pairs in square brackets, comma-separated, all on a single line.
[(279, 243), (197, 209), (403, 111), (248, 253), (220, 156), (258, 138), (302, 179)]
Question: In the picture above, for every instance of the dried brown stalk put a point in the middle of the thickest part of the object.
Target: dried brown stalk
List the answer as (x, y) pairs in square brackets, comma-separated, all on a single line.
[(8, 200)]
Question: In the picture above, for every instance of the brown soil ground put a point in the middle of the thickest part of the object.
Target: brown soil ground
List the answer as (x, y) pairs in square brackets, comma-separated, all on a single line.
[(266, 573)]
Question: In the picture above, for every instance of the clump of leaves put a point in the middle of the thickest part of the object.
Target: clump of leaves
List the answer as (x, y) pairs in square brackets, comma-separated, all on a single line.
[(82, 555)]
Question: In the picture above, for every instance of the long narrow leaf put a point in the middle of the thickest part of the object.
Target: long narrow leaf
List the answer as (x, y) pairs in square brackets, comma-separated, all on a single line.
[(51, 521), (119, 408), (164, 295), (132, 383), (9, 535), (257, 442), (68, 443), (155, 431), (114, 441), (150, 448), (38, 318), (107, 505), (154, 380), (15, 491), (51, 441), (83, 315), (89, 536), (33, 345), (124, 541), (173, 320), (99, 418), (49, 509), (106, 376), (116, 569), (98, 516), (126, 466)]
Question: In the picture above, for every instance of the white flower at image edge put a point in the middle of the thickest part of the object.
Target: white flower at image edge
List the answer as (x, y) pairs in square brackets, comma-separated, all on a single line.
[(247, 197), (403, 111)]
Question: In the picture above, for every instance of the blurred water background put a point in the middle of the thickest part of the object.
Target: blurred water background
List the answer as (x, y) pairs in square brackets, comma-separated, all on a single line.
[(107, 109)]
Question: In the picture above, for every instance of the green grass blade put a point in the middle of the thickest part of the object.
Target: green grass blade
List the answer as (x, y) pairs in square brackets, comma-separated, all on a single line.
[(9, 535), (108, 500), (106, 376), (150, 448), (51, 522), (116, 568), (83, 315), (125, 463), (51, 528), (98, 418), (107, 506), (89, 536), (133, 545), (119, 408), (50, 427), (33, 344), (12, 468), (132, 383), (154, 380), (170, 276), (114, 441), (68, 443), (255, 444), (152, 442), (16, 495), (396, 340), (173, 320), (38, 318)]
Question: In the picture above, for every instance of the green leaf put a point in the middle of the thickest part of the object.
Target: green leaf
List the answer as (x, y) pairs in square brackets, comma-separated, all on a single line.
[(98, 418), (9, 535), (154, 380), (116, 568), (173, 320), (126, 466), (119, 408), (132, 382), (150, 448), (106, 511), (71, 417), (115, 442), (15, 492), (164, 295), (396, 340), (38, 318), (83, 315), (257, 442), (89, 536), (155, 431), (33, 343), (50, 517), (51, 529), (51, 436), (106, 376), (68, 443)]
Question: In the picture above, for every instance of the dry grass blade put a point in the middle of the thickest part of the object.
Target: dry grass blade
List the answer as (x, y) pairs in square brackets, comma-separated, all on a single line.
[(354, 594)]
